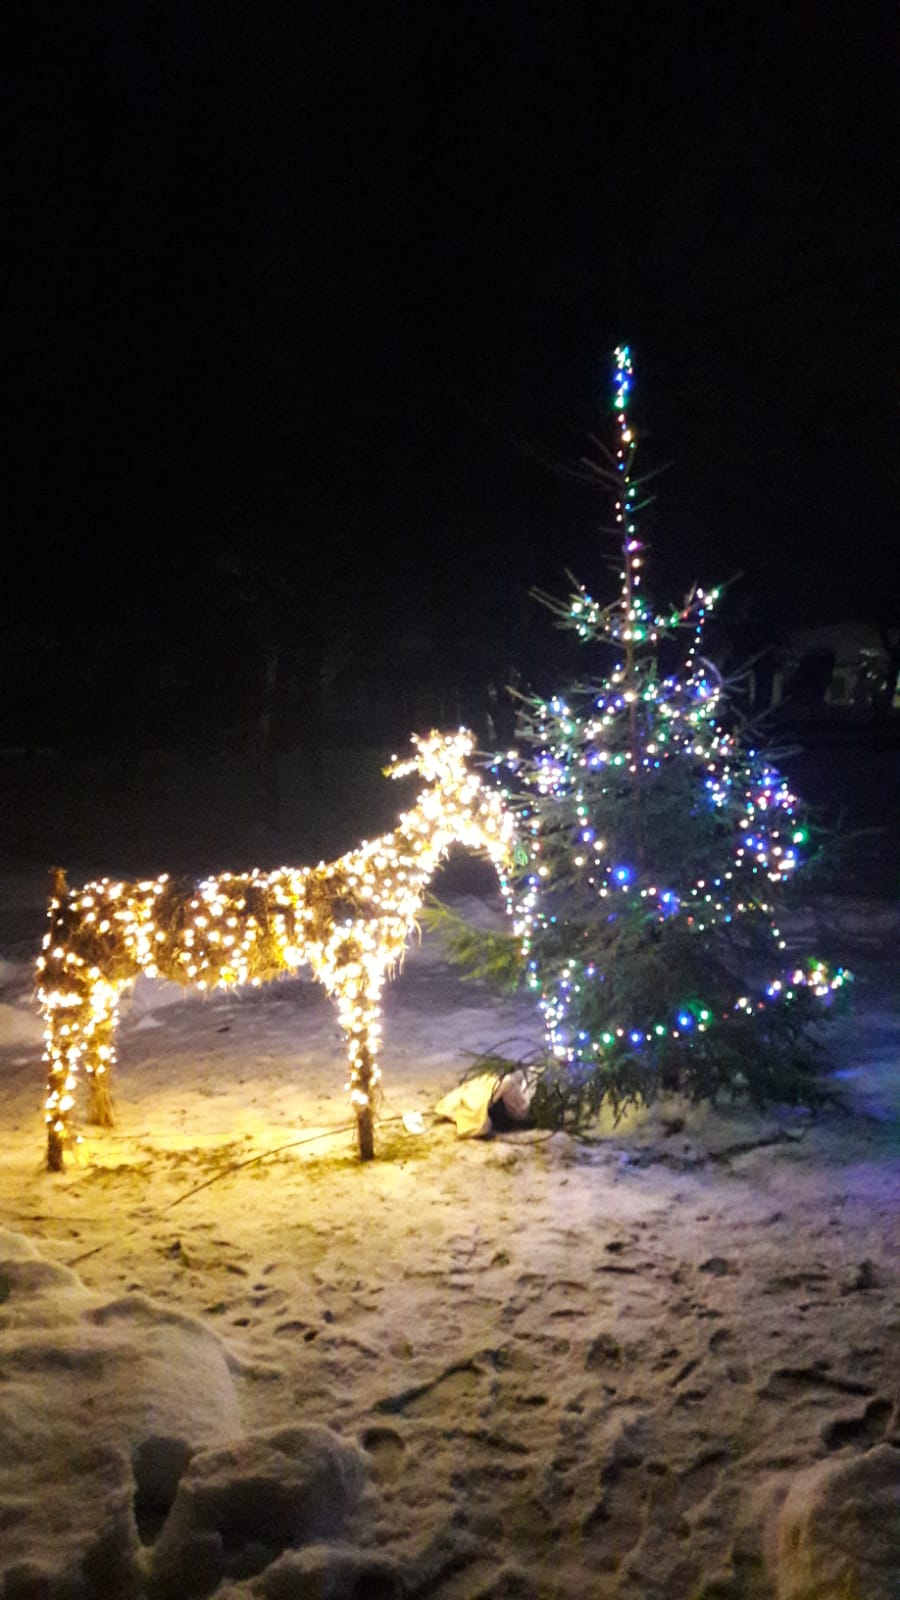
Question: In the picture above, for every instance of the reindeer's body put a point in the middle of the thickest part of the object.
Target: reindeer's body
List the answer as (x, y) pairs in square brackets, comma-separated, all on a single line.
[(348, 920)]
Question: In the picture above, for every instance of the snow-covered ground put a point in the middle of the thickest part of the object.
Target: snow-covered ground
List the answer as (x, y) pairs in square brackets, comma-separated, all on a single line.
[(663, 1362)]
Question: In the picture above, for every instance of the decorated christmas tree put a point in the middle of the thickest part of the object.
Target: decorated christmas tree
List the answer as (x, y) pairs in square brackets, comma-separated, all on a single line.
[(656, 844)]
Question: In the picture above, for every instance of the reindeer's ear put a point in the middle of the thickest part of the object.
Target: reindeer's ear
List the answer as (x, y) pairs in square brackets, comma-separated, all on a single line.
[(58, 885)]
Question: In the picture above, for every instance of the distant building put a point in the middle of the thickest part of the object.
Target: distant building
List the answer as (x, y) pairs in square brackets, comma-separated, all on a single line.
[(842, 664)]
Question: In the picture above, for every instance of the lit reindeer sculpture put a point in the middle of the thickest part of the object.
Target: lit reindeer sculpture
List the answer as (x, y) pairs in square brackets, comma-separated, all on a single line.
[(348, 920)]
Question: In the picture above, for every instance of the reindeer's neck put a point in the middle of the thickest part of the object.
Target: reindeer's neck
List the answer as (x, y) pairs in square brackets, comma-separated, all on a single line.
[(427, 831)]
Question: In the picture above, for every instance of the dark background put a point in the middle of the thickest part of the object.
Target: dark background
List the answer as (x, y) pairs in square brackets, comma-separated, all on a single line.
[(307, 315)]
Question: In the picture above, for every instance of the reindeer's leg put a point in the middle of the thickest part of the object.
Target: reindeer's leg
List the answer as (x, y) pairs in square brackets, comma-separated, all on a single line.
[(364, 1037), (100, 1051), (55, 1147), (365, 1132), (100, 1105), (63, 1050), (64, 1010), (79, 1030), (358, 995)]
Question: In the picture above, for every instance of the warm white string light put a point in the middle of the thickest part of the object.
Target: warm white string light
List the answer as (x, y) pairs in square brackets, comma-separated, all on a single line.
[(348, 920)]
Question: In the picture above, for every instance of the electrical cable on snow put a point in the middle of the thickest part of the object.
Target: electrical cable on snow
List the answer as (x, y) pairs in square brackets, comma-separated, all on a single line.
[(233, 1166)]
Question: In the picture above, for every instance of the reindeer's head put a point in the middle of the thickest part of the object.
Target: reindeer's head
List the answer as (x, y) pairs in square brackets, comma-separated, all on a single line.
[(441, 758), (458, 801)]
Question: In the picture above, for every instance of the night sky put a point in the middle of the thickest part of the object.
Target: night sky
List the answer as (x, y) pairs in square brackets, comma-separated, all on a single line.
[(308, 316)]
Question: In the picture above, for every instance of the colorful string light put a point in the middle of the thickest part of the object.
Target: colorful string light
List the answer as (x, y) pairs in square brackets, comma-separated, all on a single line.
[(617, 737)]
